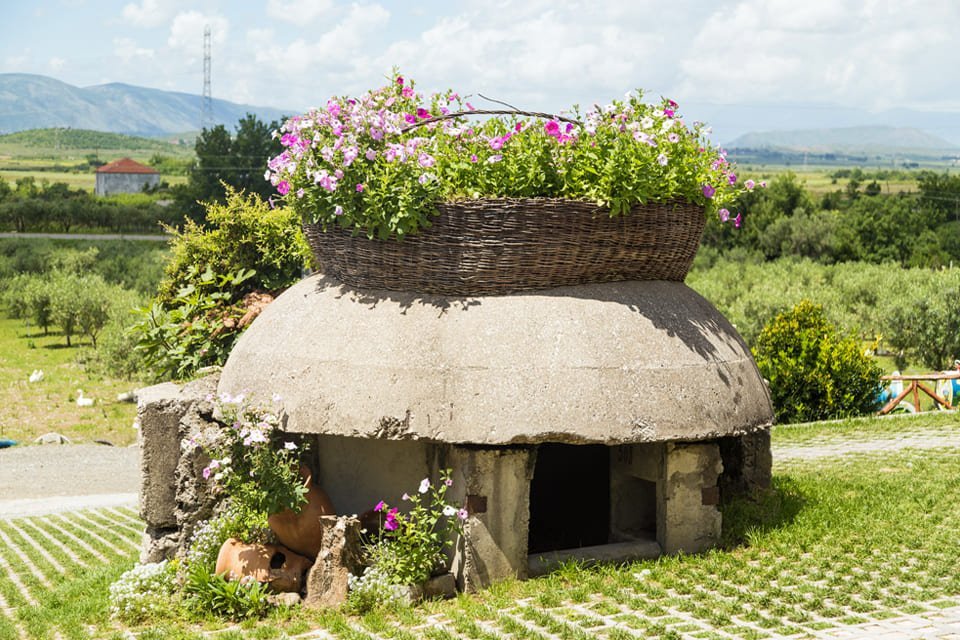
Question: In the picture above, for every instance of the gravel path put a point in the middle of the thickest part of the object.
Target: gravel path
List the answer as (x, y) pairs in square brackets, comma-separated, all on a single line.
[(41, 479)]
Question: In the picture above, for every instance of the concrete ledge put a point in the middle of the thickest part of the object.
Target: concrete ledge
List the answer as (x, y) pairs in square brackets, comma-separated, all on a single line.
[(543, 563)]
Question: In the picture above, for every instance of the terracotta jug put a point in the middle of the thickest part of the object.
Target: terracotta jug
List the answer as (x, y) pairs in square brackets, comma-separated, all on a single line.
[(302, 531), (274, 565)]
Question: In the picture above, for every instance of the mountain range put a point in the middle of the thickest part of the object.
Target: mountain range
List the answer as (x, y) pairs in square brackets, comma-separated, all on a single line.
[(864, 139), (30, 101)]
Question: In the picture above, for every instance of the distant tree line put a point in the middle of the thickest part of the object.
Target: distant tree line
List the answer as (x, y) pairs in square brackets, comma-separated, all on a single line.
[(856, 223), (27, 205)]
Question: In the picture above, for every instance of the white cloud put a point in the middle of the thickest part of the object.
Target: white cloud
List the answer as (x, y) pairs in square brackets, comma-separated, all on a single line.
[(149, 13), (339, 47), (56, 63), (126, 49), (186, 31), (298, 11), (872, 54)]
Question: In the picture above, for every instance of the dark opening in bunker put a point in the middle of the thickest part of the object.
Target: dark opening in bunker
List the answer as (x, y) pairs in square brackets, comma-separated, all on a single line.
[(569, 497)]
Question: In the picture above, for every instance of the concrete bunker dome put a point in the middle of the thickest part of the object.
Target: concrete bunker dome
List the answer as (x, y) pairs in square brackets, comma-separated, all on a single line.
[(613, 363)]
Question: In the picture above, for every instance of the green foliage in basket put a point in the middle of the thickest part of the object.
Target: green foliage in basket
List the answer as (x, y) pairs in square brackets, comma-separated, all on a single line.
[(377, 164)]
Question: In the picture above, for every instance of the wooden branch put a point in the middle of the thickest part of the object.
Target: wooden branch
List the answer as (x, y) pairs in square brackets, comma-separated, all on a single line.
[(485, 112)]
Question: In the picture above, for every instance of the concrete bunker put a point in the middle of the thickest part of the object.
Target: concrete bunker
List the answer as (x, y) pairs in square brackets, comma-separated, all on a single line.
[(597, 422), (579, 421)]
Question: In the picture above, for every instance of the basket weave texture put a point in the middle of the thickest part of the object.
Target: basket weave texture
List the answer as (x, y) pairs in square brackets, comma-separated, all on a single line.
[(502, 246)]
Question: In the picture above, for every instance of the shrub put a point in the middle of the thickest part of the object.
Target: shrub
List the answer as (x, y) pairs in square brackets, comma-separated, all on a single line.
[(815, 373), (195, 318), (196, 328), (143, 592), (245, 234)]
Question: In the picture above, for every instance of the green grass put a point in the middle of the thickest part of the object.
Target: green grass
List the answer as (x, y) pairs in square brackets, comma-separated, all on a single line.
[(28, 410), (867, 428), (838, 541)]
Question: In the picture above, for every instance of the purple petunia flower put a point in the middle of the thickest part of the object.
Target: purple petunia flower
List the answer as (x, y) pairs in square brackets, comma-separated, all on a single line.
[(708, 191), (391, 524)]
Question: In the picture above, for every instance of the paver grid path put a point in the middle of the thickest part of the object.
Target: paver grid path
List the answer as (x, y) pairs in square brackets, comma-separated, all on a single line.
[(33, 551)]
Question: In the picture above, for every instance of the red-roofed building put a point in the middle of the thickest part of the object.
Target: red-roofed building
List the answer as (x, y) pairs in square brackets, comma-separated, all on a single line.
[(125, 176)]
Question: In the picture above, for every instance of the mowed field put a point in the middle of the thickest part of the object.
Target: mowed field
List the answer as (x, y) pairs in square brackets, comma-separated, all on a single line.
[(30, 409)]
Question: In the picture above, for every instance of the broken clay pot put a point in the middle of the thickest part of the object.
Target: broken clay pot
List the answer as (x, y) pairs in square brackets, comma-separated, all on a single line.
[(271, 564), (302, 531)]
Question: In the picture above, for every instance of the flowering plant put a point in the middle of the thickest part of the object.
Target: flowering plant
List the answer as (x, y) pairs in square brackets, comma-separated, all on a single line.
[(411, 544), (378, 163), (252, 459)]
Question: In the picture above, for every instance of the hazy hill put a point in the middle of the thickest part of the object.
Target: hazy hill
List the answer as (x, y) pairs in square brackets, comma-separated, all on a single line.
[(85, 139), (30, 101), (866, 139)]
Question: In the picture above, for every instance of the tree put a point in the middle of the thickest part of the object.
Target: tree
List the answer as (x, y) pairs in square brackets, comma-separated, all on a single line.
[(238, 162), (252, 147)]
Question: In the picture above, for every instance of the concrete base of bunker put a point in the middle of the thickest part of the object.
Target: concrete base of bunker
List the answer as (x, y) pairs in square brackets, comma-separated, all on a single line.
[(623, 407)]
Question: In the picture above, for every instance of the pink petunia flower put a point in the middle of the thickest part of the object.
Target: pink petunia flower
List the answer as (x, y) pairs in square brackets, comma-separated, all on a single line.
[(462, 514), (283, 187), (422, 113), (724, 215), (359, 187), (380, 506)]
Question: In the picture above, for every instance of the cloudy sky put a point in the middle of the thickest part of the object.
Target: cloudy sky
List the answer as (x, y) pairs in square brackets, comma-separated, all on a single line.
[(709, 55)]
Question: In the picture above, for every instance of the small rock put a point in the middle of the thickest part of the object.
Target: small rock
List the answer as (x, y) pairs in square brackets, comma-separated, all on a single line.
[(105, 443), (441, 586), (340, 556), (284, 599), (52, 438)]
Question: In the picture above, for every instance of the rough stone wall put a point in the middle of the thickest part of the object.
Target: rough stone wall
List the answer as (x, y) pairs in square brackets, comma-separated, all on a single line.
[(110, 183), (494, 486), (688, 519), (747, 464), (173, 495)]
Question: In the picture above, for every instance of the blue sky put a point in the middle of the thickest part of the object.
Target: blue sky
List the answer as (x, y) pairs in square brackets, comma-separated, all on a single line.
[(713, 57)]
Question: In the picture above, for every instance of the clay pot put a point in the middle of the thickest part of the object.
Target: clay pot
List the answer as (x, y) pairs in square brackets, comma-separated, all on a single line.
[(271, 564), (302, 531)]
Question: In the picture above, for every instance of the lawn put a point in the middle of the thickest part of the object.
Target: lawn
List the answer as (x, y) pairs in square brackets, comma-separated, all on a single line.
[(844, 540), (29, 409)]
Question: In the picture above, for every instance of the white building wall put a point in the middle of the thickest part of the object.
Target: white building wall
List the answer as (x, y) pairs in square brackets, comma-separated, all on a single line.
[(111, 183)]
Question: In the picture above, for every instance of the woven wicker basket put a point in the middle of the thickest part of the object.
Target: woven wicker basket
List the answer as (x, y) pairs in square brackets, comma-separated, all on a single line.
[(501, 246)]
